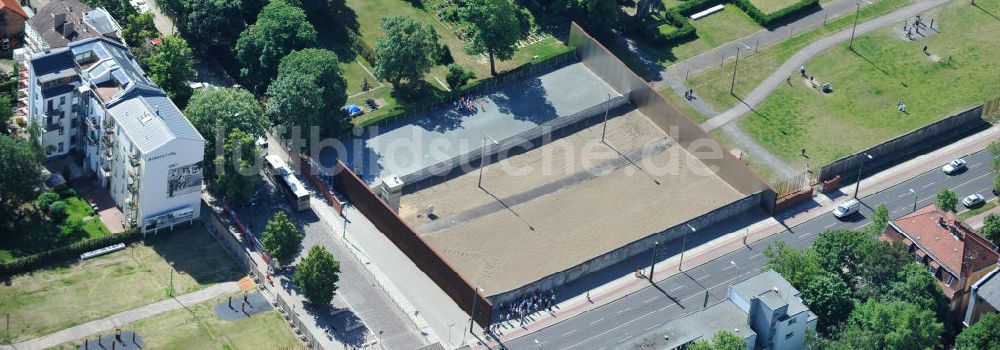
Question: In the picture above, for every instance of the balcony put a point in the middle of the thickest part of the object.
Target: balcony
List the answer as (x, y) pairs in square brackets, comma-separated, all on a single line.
[(108, 141), (133, 187), (107, 154), (134, 160), (92, 138), (106, 170), (133, 174)]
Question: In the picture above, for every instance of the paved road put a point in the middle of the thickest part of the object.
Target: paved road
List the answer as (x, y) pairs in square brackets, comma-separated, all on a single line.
[(639, 312), (800, 58)]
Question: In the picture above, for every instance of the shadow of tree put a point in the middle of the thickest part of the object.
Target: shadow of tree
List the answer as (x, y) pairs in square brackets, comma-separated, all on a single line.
[(193, 251)]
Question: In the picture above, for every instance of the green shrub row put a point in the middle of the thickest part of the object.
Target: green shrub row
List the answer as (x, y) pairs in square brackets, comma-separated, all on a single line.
[(766, 19), (359, 46), (64, 253)]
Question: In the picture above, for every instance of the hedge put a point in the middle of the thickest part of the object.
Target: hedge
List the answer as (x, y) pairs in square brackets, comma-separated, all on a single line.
[(64, 253), (359, 46), (766, 19)]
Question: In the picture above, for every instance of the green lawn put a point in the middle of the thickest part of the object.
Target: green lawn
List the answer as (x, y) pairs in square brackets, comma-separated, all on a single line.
[(197, 327), (772, 6), (862, 110), (78, 208), (713, 85), (684, 106), (982, 209), (717, 29), (64, 296)]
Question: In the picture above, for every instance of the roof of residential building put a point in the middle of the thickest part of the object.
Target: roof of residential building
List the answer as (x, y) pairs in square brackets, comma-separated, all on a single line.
[(13, 6), (63, 21), (699, 325), (949, 242), (773, 290), (989, 290)]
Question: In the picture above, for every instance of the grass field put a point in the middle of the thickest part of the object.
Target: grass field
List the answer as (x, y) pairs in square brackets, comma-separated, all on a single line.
[(197, 327), (64, 296), (717, 29), (883, 69), (713, 85), (78, 208), (772, 6)]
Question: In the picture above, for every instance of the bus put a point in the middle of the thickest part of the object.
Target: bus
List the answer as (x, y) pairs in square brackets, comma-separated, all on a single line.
[(282, 175)]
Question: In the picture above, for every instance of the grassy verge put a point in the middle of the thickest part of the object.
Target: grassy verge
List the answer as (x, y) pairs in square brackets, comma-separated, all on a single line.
[(49, 300), (79, 209), (719, 28), (882, 69), (198, 327), (713, 85), (771, 6), (982, 209)]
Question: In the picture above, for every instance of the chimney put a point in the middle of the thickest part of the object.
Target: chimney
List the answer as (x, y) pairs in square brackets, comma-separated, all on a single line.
[(58, 19), (69, 31)]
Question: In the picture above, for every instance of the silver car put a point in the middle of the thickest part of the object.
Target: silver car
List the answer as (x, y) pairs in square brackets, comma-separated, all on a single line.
[(973, 200), (954, 166)]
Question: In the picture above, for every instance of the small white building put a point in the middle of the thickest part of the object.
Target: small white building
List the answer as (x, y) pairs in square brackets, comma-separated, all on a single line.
[(93, 97), (774, 310)]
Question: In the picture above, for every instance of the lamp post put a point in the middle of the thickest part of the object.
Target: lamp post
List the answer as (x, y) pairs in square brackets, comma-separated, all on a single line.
[(737, 64), (607, 105), (914, 199), (683, 246), (861, 165), (484, 159), (652, 262), (856, 12), (472, 312), (737, 270)]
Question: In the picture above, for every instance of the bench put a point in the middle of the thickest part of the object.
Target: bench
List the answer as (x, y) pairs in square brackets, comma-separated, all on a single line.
[(102, 251), (707, 12)]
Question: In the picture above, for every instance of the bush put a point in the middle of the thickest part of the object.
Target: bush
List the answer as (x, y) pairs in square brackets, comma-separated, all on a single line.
[(72, 227), (70, 252), (442, 55), (457, 76), (684, 30), (57, 211), (46, 199), (766, 19)]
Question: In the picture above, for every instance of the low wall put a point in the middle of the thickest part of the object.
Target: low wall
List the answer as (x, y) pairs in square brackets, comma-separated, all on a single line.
[(680, 127), (789, 200), (517, 141), (636, 248), (891, 152), (422, 255)]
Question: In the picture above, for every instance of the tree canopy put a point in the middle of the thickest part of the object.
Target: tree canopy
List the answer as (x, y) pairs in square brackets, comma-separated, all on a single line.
[(280, 238), (171, 67), (991, 228), (406, 51), (829, 298), (798, 267), (723, 340), (317, 276), (22, 173), (895, 325), (880, 220), (946, 200), (280, 28), (983, 335), (138, 28), (216, 112), (236, 175), (319, 92), (494, 29), (210, 23)]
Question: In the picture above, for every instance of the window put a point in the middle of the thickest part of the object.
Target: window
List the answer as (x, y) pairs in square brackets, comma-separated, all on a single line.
[(62, 100), (72, 140), (789, 335), (50, 105), (951, 279), (791, 321), (72, 123), (60, 130), (60, 147)]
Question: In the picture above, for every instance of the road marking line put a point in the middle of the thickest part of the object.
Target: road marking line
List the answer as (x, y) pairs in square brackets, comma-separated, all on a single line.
[(756, 256), (623, 339), (703, 277), (650, 299), (927, 185), (831, 225), (625, 309), (731, 266), (598, 320), (650, 328), (869, 223), (974, 179), (568, 333), (682, 286)]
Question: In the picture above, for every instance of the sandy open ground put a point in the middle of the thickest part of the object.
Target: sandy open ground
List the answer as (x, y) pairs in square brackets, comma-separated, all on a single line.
[(559, 205)]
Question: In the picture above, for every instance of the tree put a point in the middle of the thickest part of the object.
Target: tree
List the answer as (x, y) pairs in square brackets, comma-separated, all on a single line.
[(723, 340), (880, 219), (991, 228), (280, 238), (892, 325), (829, 298), (138, 29), (914, 284), (171, 67), (280, 28), (317, 276), (57, 211), (210, 23), (214, 112), (6, 113), (494, 29), (983, 335), (994, 148), (880, 266), (117, 8), (457, 76), (600, 14), (946, 200), (796, 266), (46, 199), (236, 175), (21, 171), (406, 50), (841, 251), (317, 70)]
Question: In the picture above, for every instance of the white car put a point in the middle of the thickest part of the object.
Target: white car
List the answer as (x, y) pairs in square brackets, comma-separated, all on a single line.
[(954, 166), (847, 208), (973, 200)]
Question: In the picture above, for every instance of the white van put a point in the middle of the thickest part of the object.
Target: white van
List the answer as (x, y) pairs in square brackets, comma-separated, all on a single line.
[(847, 208)]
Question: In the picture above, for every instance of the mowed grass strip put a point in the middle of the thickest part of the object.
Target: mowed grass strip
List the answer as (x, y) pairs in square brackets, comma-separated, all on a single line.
[(716, 29), (713, 85), (198, 327), (772, 6), (52, 299), (867, 82)]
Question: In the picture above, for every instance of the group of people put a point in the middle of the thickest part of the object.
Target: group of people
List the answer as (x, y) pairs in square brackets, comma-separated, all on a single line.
[(917, 24), (467, 104), (526, 305)]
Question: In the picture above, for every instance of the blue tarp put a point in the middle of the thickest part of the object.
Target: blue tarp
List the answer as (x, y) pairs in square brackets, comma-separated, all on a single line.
[(352, 109)]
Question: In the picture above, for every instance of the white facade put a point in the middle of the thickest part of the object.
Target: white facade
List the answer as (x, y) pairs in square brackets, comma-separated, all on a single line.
[(774, 310), (131, 136)]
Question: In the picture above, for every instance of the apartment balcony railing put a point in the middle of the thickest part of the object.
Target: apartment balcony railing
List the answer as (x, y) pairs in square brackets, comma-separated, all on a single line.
[(134, 160)]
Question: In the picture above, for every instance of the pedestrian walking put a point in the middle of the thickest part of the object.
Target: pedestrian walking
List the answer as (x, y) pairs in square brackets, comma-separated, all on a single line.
[(802, 70), (588, 298), (925, 49), (789, 81)]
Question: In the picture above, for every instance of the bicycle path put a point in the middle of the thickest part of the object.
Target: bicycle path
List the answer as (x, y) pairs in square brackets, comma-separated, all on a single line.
[(791, 66)]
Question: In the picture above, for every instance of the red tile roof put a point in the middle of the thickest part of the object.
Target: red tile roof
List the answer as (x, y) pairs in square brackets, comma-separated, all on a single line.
[(13, 6), (948, 241)]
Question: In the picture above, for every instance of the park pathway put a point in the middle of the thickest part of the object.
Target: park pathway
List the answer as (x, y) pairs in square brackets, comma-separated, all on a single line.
[(124, 318), (799, 59)]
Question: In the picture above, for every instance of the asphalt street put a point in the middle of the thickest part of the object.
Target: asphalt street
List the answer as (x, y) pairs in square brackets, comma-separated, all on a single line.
[(607, 326)]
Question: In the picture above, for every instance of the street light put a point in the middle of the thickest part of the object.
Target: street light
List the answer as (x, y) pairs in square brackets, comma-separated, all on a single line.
[(472, 312), (914, 199), (652, 262), (856, 13), (737, 270), (683, 246), (484, 159), (607, 105), (861, 165)]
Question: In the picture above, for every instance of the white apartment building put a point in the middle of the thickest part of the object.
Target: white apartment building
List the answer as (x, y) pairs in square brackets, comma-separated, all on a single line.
[(92, 97), (774, 310)]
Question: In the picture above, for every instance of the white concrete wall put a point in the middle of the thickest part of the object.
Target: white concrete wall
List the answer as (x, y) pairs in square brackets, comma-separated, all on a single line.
[(154, 196)]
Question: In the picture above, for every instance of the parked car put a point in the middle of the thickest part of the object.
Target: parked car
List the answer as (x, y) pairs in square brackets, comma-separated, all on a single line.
[(973, 200), (954, 166), (847, 208)]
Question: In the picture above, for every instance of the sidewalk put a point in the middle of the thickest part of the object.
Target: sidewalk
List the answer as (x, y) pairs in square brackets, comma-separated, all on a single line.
[(977, 221), (822, 204), (124, 318)]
